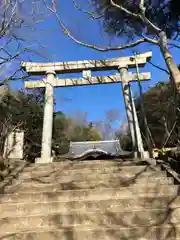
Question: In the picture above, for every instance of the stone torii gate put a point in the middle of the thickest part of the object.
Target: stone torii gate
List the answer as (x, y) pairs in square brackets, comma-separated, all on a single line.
[(121, 64)]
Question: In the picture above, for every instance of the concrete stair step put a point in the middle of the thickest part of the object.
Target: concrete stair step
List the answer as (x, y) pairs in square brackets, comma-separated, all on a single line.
[(50, 207), (106, 180), (96, 171), (89, 167), (85, 164), (161, 232), (91, 200), (105, 218), (98, 177), (89, 194), (76, 164), (54, 186), (72, 185), (79, 176)]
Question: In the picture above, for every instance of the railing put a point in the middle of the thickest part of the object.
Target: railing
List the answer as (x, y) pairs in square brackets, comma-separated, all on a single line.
[(172, 167)]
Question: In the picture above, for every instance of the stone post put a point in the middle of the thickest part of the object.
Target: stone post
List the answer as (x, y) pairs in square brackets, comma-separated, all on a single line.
[(140, 147), (48, 119), (86, 74)]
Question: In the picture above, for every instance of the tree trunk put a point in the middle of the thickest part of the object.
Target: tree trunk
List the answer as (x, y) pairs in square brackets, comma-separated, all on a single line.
[(174, 76), (172, 67)]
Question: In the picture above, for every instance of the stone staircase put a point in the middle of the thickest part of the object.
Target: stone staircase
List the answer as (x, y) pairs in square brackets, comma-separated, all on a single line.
[(91, 200)]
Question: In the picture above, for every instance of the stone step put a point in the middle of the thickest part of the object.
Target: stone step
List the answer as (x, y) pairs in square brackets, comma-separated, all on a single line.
[(89, 194), (161, 232), (50, 207), (99, 218), (97, 177), (41, 186), (107, 181), (111, 170), (89, 167), (78, 164), (84, 164)]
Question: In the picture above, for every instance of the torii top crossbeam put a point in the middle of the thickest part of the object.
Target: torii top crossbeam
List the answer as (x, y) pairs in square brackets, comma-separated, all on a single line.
[(37, 68)]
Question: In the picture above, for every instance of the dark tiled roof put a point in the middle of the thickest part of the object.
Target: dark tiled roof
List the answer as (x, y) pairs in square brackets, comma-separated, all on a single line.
[(109, 147), (80, 149)]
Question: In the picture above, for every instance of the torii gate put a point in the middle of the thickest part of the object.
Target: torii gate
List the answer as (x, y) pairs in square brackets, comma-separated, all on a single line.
[(121, 64)]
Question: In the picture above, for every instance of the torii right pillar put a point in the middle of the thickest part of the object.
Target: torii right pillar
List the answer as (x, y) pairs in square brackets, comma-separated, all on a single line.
[(137, 143)]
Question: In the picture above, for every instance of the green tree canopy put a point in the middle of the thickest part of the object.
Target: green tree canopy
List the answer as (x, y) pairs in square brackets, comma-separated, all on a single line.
[(24, 110), (162, 13), (160, 109)]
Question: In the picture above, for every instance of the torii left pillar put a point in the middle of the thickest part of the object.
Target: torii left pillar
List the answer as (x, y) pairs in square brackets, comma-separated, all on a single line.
[(48, 119)]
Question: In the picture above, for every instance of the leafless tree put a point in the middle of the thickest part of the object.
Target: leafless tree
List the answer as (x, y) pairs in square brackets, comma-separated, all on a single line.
[(18, 24), (106, 126)]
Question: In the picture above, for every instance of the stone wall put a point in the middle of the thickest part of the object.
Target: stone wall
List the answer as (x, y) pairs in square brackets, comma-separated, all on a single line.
[(13, 148)]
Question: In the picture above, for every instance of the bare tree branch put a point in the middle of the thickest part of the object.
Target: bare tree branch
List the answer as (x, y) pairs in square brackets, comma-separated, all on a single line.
[(141, 5), (13, 45), (10, 58), (174, 45), (160, 68), (150, 40), (120, 7), (90, 14), (8, 20), (141, 15), (169, 133), (121, 47), (14, 77)]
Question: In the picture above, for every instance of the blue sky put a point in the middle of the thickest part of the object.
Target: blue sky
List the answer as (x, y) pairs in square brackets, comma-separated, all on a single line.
[(95, 100)]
